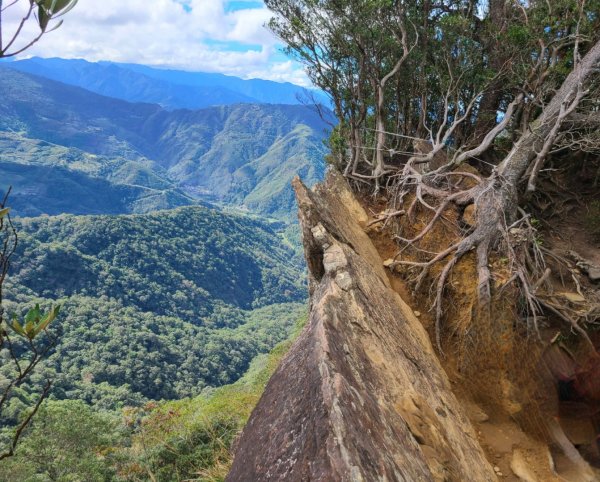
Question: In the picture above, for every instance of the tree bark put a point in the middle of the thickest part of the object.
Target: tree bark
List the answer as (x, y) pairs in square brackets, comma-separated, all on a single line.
[(531, 142)]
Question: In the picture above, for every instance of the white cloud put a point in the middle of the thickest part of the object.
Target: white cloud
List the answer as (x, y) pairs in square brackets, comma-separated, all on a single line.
[(248, 26), (203, 36)]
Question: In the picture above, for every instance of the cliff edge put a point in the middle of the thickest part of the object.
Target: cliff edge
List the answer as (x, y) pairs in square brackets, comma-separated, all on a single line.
[(361, 395)]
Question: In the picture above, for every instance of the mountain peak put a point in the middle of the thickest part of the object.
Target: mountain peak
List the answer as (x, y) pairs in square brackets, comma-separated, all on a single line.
[(121, 157)]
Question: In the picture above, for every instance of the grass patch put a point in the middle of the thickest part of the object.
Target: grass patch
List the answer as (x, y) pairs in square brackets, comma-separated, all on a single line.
[(191, 439)]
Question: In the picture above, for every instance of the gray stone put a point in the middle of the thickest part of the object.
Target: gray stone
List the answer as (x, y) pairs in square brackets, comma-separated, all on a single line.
[(361, 395), (594, 274)]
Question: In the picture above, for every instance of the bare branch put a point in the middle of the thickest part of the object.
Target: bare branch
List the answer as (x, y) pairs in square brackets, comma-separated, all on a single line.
[(491, 135), (25, 423)]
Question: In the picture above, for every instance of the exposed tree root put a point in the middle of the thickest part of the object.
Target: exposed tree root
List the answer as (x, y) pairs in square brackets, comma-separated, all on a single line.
[(500, 226), (386, 216)]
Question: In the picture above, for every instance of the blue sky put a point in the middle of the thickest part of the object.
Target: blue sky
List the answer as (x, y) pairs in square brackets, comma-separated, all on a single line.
[(225, 36)]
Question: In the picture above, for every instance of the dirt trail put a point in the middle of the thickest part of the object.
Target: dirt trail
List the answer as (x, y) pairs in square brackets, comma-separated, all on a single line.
[(515, 455)]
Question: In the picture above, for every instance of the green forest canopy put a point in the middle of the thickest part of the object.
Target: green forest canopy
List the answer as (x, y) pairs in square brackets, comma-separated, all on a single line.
[(155, 306)]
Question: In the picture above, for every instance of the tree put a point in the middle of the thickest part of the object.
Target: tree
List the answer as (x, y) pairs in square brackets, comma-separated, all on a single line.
[(42, 12), (23, 348), (67, 441), (463, 79), (490, 93)]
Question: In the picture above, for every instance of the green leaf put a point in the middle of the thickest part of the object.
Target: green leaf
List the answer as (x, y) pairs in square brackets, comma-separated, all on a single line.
[(30, 330), (56, 25), (33, 315), (43, 18), (48, 319), (16, 326), (54, 6), (48, 9), (4, 212)]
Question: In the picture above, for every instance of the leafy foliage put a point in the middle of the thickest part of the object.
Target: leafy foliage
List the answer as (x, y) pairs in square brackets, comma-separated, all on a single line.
[(181, 263), (156, 306), (20, 348), (192, 438), (17, 37), (459, 65), (51, 9), (168, 441), (35, 321), (68, 441)]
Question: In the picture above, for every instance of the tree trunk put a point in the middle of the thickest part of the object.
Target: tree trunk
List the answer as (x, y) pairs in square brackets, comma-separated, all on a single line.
[(486, 119), (380, 127), (496, 199), (513, 167)]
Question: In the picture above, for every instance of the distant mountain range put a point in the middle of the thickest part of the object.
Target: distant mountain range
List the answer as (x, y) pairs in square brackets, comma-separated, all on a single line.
[(171, 89), (83, 153), (112, 168)]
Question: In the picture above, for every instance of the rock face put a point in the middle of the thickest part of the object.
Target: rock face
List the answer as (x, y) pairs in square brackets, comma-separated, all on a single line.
[(361, 395)]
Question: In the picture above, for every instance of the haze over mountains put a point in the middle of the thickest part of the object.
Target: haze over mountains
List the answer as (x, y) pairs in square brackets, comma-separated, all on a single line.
[(122, 157), (172, 89)]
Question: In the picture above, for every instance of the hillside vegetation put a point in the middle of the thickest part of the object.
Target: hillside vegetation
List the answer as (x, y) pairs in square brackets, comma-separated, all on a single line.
[(52, 179), (184, 439), (128, 365), (243, 155), (155, 306)]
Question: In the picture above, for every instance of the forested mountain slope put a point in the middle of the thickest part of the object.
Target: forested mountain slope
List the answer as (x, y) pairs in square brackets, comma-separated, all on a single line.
[(145, 260), (172, 89), (156, 306), (38, 188), (222, 153), (165, 303)]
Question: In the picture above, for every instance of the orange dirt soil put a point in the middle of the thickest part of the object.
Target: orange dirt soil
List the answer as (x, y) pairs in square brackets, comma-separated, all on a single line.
[(488, 358)]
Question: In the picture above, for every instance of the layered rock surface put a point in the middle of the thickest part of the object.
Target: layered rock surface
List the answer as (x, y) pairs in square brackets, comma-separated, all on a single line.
[(361, 395)]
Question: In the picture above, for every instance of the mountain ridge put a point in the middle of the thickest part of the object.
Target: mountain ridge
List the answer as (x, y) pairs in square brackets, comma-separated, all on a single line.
[(170, 88), (220, 154)]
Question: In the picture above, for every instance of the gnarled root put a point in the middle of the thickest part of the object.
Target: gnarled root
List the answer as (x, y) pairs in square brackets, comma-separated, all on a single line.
[(496, 227)]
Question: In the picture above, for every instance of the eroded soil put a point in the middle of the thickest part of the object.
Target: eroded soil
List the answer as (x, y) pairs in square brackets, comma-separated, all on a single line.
[(517, 453)]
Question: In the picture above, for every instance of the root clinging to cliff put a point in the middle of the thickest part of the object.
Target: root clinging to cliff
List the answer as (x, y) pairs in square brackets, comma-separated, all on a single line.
[(492, 222)]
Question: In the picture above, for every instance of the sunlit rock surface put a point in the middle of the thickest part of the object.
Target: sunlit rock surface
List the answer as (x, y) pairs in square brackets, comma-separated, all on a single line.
[(361, 395)]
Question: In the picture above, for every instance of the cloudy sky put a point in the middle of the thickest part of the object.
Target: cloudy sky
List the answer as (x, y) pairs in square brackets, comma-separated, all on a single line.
[(225, 36)]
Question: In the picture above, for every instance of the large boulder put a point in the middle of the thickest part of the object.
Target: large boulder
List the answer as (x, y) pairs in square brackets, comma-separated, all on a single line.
[(361, 396)]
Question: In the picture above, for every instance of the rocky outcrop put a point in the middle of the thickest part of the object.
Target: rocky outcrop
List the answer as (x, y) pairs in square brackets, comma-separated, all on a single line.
[(361, 395), (586, 266)]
